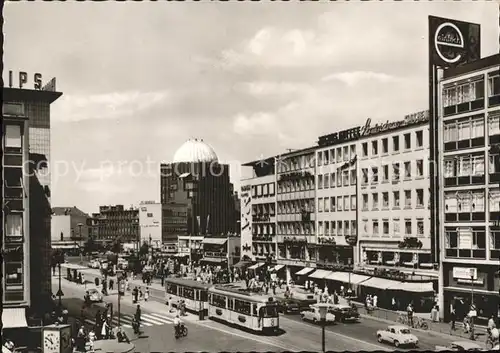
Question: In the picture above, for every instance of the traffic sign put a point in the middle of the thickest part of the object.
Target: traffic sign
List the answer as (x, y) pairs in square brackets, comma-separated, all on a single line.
[(60, 293)]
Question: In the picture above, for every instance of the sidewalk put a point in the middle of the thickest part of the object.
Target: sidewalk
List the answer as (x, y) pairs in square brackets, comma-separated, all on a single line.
[(113, 346), (434, 327)]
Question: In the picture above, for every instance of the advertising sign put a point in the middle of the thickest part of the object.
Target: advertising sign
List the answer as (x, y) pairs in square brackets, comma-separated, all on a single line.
[(464, 273), (246, 221), (453, 42)]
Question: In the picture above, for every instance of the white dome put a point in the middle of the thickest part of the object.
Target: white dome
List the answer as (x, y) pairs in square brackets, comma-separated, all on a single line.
[(194, 151)]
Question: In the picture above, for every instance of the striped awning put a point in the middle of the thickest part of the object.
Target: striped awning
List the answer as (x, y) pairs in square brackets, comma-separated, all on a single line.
[(305, 271)]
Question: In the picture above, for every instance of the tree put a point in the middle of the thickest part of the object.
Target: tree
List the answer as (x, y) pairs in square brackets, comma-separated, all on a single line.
[(144, 250), (90, 246)]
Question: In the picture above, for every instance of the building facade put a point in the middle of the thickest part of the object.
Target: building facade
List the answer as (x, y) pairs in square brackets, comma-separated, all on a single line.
[(116, 223), (469, 175), (176, 220), (150, 223)]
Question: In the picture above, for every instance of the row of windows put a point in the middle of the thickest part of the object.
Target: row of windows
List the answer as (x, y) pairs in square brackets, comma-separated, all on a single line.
[(339, 179), (373, 149), (263, 209), (295, 185), (463, 93), (296, 228), (13, 258), (295, 206), (470, 165), (297, 163), (263, 229), (382, 227), (337, 204), (340, 154), (411, 199), (475, 201), (373, 176), (263, 190), (471, 238), (337, 228)]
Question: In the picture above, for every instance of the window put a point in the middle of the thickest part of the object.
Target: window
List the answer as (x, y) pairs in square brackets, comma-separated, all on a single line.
[(365, 176), (271, 189), (385, 200), (365, 202), (420, 227), (364, 149), (375, 201), (13, 136), (339, 228), (333, 224), (385, 173), (408, 230), (346, 227), (172, 288), (494, 123), (395, 143), (326, 181), (365, 226), (420, 138), (339, 155), (332, 204), (332, 180), (450, 132), (326, 158), (374, 175), (385, 146), (353, 151), (494, 239), (395, 195), (332, 155), (478, 165), (375, 227), (188, 293), (420, 167), (478, 201), (463, 93), (494, 201), (407, 170), (319, 159), (353, 177), (420, 198), (346, 203), (385, 227), (395, 226), (320, 204), (346, 153), (374, 148), (218, 300), (149, 215), (339, 179), (327, 204), (477, 129), (450, 203), (464, 132), (327, 228), (395, 171), (353, 202), (494, 165), (407, 199), (320, 181), (266, 189), (339, 203), (13, 177), (345, 178), (14, 226), (493, 85), (353, 228), (407, 140)]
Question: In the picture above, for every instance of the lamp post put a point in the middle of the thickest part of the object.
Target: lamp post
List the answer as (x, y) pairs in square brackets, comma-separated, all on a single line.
[(323, 310), (81, 250), (472, 307), (59, 292)]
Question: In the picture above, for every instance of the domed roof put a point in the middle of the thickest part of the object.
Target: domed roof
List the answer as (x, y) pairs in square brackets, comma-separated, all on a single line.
[(194, 151)]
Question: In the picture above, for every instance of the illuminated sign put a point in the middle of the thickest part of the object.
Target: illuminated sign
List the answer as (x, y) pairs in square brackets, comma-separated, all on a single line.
[(23, 79), (368, 129)]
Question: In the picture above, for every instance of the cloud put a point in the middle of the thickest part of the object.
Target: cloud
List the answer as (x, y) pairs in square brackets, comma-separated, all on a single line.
[(106, 106), (354, 77), (267, 88)]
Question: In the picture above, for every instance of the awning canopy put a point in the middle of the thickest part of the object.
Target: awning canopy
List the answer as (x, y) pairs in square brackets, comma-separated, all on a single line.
[(215, 241), (320, 274), (305, 271), (416, 287), (344, 277), (64, 246), (14, 318), (256, 266), (380, 283), (217, 260), (278, 267), (242, 264)]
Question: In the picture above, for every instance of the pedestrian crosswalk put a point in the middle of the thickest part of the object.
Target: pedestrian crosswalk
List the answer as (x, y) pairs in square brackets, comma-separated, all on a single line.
[(150, 319)]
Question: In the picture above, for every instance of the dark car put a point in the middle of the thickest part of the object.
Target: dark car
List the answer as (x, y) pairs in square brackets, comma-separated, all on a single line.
[(296, 304), (288, 306), (344, 312)]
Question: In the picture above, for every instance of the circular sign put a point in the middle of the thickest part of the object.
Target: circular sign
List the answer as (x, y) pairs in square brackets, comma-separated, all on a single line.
[(449, 42), (352, 240)]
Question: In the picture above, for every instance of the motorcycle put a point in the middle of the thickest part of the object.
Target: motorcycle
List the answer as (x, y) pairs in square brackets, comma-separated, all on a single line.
[(181, 331)]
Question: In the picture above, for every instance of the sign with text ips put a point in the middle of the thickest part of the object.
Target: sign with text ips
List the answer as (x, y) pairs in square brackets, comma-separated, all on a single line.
[(23, 80)]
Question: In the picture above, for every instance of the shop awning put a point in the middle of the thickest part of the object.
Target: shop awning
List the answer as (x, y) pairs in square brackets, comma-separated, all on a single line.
[(216, 260), (256, 266), (214, 241), (422, 287), (344, 277), (380, 283), (14, 318), (305, 271), (242, 264), (64, 246), (278, 267), (320, 274)]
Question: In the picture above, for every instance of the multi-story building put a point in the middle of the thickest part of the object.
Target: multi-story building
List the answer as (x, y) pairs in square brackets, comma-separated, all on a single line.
[(93, 226), (117, 223), (175, 220), (33, 105), (258, 205), (69, 228), (394, 197), (150, 223), (295, 210), (469, 175)]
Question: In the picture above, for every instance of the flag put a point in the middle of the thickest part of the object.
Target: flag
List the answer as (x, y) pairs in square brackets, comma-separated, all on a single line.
[(349, 163)]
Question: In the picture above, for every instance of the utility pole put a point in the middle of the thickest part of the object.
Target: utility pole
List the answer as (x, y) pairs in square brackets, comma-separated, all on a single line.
[(81, 250)]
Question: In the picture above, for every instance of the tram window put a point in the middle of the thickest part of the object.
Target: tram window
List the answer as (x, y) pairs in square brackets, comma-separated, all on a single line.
[(171, 288), (188, 293), (270, 311), (230, 304), (204, 295), (218, 300), (254, 307), (242, 307)]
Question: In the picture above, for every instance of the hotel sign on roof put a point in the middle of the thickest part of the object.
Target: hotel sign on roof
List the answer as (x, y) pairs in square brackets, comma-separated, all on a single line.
[(368, 130)]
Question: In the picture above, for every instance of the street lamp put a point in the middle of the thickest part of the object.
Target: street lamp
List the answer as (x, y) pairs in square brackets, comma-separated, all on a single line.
[(323, 310), (80, 225), (472, 307)]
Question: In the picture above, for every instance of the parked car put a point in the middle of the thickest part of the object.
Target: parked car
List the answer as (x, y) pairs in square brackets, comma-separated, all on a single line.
[(95, 296), (398, 335), (460, 346), (344, 312), (312, 314), (288, 306)]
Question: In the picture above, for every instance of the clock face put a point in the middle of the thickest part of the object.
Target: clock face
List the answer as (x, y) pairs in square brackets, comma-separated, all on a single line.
[(51, 341)]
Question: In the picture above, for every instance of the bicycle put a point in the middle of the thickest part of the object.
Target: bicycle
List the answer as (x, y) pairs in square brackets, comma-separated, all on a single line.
[(418, 323), (489, 342)]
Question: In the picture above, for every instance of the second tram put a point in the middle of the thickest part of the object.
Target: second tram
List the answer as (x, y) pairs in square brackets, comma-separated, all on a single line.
[(194, 294)]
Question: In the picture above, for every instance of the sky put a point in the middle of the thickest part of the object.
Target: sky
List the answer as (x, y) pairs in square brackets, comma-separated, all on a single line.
[(251, 79)]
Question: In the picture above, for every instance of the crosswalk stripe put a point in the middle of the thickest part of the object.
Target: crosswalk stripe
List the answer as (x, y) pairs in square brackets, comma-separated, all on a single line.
[(154, 320), (165, 317)]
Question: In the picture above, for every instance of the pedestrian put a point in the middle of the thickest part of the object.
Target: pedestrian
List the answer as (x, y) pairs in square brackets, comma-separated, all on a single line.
[(104, 330), (146, 295), (135, 293), (393, 304), (140, 294), (111, 283), (409, 312), (92, 338), (375, 301), (82, 278)]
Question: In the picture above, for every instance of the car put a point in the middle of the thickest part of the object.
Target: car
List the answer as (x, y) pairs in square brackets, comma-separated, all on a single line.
[(312, 314), (288, 306), (95, 296), (344, 312), (398, 335), (460, 346)]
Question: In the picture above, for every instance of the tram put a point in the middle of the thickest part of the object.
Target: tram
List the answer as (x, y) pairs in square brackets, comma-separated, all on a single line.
[(247, 310), (194, 294)]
